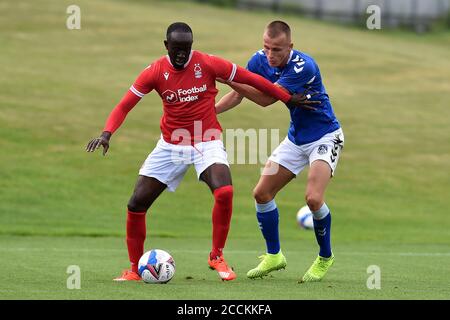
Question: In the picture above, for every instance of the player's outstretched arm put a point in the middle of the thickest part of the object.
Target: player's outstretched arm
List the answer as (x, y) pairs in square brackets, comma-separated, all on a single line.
[(115, 119), (260, 98), (228, 101), (261, 84)]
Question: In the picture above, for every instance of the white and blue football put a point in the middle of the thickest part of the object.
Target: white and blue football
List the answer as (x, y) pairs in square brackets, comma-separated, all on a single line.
[(156, 266), (305, 218)]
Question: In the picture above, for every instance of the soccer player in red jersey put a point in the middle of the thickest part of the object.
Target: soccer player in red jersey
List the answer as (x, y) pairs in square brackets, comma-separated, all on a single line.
[(185, 80)]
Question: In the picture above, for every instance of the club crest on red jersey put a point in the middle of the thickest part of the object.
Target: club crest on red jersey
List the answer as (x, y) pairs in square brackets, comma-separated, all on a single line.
[(197, 71)]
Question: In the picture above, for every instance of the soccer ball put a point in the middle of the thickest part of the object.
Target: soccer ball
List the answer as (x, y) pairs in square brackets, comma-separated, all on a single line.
[(305, 218), (156, 266)]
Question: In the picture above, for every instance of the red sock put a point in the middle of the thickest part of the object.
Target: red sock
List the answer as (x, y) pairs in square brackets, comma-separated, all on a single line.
[(221, 217), (136, 232)]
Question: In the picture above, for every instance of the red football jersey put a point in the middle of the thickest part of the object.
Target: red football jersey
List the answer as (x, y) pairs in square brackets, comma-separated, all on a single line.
[(188, 95)]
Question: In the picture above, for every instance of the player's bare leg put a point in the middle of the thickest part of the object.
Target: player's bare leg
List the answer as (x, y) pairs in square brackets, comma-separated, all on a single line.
[(218, 178), (146, 191), (272, 180), (318, 178)]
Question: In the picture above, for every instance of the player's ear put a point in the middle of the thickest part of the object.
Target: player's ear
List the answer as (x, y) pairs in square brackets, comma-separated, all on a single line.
[(291, 45), (166, 44)]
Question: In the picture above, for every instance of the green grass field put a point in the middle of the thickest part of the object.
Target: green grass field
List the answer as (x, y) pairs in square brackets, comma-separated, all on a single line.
[(60, 206)]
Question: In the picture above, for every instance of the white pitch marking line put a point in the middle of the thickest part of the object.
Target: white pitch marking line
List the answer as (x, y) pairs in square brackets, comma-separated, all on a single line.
[(69, 250)]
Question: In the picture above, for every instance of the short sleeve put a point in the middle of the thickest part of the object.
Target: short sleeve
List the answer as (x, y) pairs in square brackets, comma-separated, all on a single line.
[(254, 64), (145, 82), (223, 69), (298, 76)]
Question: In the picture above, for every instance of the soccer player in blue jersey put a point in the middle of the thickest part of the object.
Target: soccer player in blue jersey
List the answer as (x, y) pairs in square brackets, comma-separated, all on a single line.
[(315, 138)]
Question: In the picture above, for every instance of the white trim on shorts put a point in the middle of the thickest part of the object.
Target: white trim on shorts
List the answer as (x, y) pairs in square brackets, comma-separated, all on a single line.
[(295, 158)]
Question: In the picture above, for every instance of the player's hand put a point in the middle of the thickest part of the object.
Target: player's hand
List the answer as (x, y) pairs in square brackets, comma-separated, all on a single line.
[(301, 100), (103, 141)]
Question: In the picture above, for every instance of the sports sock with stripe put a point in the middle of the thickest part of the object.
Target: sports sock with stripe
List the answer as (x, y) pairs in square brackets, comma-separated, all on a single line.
[(322, 229), (268, 219)]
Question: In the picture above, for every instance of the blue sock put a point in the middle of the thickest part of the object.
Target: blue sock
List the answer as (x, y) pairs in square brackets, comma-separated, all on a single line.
[(322, 229), (268, 218)]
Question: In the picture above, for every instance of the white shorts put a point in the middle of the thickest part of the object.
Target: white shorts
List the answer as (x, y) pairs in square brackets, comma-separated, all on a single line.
[(169, 162), (295, 158)]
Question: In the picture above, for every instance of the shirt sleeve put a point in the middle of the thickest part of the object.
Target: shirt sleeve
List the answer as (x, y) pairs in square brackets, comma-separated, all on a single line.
[(253, 64), (298, 77), (231, 72), (119, 113), (145, 82), (223, 69), (262, 84)]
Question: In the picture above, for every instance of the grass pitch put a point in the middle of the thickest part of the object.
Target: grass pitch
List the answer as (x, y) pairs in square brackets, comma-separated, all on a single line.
[(60, 206), (407, 271)]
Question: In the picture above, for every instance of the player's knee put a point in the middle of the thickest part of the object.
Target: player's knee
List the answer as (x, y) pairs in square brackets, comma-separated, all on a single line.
[(224, 194), (262, 196), (137, 205), (314, 201)]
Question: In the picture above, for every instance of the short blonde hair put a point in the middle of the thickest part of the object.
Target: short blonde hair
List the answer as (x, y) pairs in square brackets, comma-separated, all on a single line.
[(277, 27)]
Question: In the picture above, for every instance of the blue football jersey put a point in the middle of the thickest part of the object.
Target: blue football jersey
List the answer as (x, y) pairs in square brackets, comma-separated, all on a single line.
[(300, 75)]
